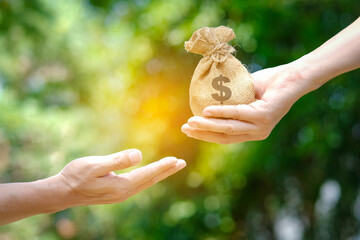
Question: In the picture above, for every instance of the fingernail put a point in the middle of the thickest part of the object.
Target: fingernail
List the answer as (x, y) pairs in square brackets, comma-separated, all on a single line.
[(181, 164), (188, 133), (206, 113), (193, 124), (185, 130), (135, 156), (169, 160)]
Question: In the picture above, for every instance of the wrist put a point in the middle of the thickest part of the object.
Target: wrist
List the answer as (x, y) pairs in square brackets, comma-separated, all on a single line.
[(54, 193), (305, 74)]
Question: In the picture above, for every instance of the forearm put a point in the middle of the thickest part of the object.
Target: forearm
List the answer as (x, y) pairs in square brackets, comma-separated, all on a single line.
[(338, 55), (20, 200)]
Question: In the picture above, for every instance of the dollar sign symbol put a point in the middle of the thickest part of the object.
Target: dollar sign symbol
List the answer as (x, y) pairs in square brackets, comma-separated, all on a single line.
[(225, 92)]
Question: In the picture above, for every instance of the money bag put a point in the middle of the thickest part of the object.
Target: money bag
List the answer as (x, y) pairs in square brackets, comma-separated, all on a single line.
[(219, 78)]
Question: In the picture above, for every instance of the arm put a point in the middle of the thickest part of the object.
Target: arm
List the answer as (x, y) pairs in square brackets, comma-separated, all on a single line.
[(277, 89), (84, 181)]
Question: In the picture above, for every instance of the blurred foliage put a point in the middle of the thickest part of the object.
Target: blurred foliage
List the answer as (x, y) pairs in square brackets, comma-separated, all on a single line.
[(93, 77)]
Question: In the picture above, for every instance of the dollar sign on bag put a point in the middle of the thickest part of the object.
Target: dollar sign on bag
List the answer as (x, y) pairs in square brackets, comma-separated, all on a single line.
[(224, 92)]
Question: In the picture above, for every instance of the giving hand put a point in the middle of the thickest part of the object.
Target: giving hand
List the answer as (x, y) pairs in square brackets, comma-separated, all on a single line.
[(276, 91)]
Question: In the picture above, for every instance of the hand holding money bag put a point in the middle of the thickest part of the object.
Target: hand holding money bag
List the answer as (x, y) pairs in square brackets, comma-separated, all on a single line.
[(219, 78)]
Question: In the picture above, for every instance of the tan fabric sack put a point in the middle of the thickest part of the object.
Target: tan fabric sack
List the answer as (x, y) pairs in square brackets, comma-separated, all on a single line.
[(219, 78)]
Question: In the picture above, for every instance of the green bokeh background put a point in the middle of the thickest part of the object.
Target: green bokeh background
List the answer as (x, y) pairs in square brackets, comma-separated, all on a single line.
[(80, 78)]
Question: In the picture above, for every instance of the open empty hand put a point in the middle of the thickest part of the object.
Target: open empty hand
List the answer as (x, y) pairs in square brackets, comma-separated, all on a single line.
[(91, 180), (84, 181)]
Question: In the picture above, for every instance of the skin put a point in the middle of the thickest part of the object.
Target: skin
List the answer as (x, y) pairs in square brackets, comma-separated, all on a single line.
[(277, 89), (84, 181)]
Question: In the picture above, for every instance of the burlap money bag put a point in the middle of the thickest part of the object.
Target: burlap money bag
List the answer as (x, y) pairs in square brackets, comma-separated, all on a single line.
[(219, 78)]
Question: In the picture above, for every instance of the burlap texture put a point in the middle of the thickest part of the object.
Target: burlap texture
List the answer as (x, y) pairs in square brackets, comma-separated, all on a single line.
[(209, 83)]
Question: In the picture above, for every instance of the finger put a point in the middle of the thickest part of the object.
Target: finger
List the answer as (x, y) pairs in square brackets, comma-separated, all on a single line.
[(180, 164), (228, 126), (239, 112), (143, 174), (215, 137), (117, 161)]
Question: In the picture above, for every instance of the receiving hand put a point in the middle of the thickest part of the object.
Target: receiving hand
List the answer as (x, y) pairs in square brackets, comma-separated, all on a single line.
[(84, 181), (91, 180), (277, 89)]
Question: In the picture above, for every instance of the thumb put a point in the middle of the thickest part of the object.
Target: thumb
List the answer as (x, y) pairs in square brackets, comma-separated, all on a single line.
[(117, 161)]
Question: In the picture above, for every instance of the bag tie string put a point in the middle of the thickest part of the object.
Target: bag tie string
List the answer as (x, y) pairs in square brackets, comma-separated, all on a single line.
[(220, 52)]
